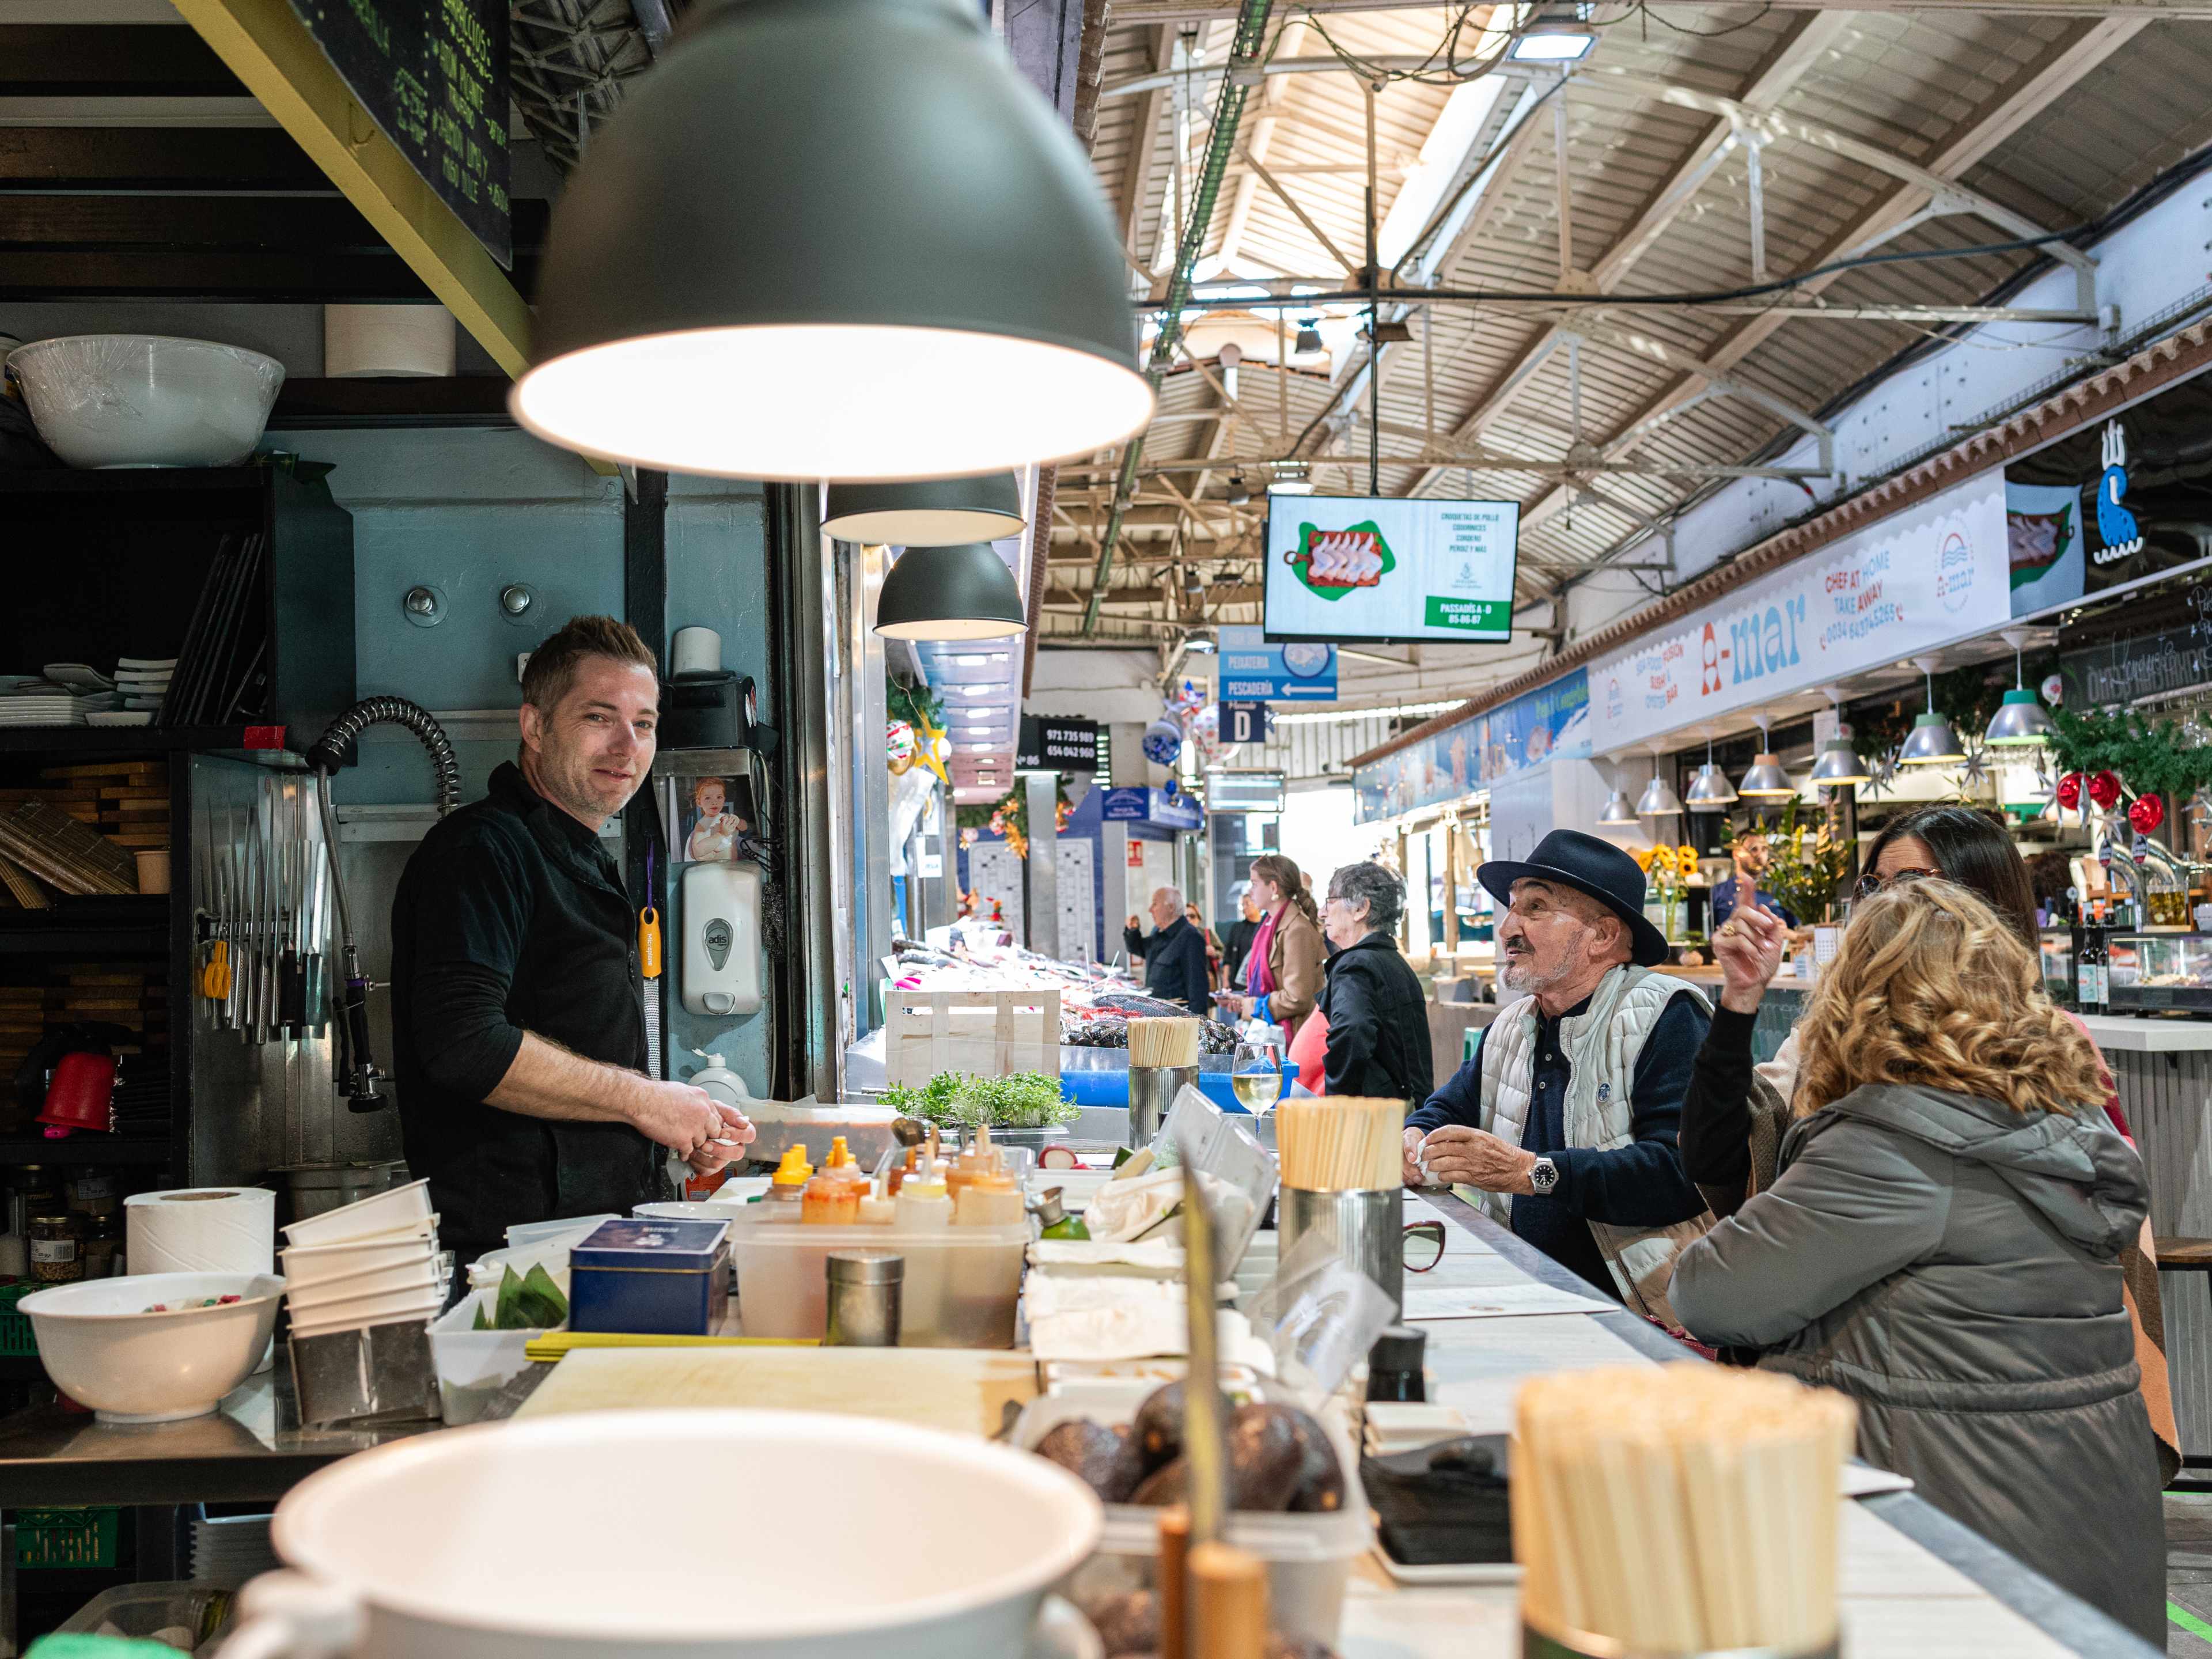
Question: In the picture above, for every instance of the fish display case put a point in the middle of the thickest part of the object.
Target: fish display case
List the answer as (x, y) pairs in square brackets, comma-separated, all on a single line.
[(2155, 971)]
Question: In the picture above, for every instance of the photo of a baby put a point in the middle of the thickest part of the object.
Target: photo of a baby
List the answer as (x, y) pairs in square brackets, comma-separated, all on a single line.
[(714, 828)]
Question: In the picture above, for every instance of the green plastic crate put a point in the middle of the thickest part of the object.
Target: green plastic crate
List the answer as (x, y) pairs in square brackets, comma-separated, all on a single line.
[(67, 1538), (16, 1338)]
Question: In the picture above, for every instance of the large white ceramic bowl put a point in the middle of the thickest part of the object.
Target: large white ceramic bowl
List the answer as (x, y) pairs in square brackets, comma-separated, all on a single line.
[(147, 399), (103, 1350), (608, 1533)]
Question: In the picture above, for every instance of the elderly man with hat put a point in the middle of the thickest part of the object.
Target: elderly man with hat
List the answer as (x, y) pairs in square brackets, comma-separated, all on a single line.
[(1565, 1121)]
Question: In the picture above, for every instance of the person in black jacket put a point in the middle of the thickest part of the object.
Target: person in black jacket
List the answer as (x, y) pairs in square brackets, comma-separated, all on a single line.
[(1236, 943), (1378, 1019), (1174, 954)]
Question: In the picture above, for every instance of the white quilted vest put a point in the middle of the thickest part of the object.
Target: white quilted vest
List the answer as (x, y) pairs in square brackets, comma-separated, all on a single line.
[(1602, 1046)]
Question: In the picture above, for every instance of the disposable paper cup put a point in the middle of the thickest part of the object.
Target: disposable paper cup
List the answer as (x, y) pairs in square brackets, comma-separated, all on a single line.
[(381, 1213), (313, 1266), (153, 870), (353, 1312), (422, 1275), (305, 1332)]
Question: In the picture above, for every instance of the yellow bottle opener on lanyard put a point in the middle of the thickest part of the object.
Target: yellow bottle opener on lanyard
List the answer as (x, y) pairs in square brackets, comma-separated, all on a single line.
[(649, 942)]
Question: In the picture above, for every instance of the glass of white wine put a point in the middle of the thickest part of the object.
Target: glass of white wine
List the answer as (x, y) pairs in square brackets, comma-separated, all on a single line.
[(1256, 1075)]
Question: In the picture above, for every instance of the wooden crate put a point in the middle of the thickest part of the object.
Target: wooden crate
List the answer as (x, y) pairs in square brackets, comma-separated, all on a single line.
[(984, 1033)]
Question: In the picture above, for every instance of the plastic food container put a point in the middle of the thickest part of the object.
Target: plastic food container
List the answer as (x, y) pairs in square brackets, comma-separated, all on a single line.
[(474, 1365), (1308, 1558), (961, 1289), (182, 1615), (400, 1209), (651, 1276)]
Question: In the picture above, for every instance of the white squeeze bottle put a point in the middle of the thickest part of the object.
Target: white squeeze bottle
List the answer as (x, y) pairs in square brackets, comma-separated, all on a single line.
[(923, 1204)]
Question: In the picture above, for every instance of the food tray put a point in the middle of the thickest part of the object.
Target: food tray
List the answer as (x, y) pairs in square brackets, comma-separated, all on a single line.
[(962, 1288), (1310, 1557)]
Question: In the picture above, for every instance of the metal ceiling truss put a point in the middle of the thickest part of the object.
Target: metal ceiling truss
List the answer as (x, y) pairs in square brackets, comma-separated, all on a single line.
[(569, 58)]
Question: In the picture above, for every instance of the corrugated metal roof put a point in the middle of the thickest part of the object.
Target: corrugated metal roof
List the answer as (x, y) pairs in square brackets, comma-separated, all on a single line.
[(2059, 118)]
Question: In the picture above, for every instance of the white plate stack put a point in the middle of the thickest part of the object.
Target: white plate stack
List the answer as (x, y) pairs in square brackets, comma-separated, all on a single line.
[(371, 1263), (144, 681), (68, 694)]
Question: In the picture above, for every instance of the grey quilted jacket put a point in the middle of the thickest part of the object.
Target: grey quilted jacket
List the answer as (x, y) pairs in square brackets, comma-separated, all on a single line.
[(1955, 1268)]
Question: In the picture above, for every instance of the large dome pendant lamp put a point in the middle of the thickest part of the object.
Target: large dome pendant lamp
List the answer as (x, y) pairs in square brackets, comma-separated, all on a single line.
[(1709, 791), (2020, 720), (963, 592), (834, 239), (1839, 766), (1931, 742), (1618, 813), (927, 512), (1659, 800), (1767, 781)]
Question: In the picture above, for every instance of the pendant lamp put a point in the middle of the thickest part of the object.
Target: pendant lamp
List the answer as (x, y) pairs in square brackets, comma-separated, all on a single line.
[(1766, 779), (1618, 813), (834, 239), (1931, 742), (1709, 791), (928, 513), (2020, 720), (1659, 800), (1839, 766), (950, 594)]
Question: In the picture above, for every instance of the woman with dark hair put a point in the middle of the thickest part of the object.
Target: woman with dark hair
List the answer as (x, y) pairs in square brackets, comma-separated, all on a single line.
[(1736, 1113)]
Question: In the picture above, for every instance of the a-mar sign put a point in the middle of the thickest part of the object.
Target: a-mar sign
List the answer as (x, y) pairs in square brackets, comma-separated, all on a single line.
[(1918, 580)]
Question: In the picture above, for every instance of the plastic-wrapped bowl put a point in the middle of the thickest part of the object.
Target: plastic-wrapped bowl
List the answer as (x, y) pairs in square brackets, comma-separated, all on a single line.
[(104, 1350), (147, 399)]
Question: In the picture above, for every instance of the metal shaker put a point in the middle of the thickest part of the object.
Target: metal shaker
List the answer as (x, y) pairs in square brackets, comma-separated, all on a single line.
[(864, 1292)]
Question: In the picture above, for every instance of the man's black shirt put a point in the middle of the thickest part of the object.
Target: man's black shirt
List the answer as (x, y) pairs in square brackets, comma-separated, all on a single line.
[(511, 917)]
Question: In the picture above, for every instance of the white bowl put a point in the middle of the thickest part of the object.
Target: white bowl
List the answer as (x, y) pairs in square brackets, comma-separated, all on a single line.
[(103, 1350), (147, 399), (381, 1214), (558, 1537)]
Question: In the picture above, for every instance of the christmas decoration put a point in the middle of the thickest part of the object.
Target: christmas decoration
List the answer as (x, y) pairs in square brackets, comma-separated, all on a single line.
[(1977, 771), (2146, 813), (1881, 776), (2105, 790), (2054, 691), (2069, 792), (2155, 757), (1162, 742), (904, 746)]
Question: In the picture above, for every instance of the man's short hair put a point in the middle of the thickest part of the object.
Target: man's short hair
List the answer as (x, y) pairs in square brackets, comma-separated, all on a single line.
[(1384, 893), (550, 674), (1175, 895)]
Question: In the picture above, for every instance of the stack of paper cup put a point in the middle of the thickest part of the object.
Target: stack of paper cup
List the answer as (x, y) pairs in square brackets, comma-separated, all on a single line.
[(371, 1263)]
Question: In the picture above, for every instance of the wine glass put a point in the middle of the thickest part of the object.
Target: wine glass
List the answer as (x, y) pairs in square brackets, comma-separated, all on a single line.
[(1255, 1077)]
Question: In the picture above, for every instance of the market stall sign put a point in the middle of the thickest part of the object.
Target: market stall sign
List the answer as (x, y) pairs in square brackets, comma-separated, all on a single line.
[(434, 78), (1253, 671), (1553, 722), (2146, 666), (1155, 807), (1054, 743), (1243, 722), (1918, 580)]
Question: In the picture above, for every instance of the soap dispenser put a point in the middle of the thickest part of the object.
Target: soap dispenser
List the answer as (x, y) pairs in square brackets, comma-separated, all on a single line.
[(719, 1081)]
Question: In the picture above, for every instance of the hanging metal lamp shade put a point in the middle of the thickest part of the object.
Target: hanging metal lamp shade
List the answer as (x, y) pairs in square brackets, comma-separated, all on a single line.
[(927, 512), (1709, 791), (834, 239), (1766, 778), (950, 594), (1839, 766), (1931, 743), (1618, 813), (1658, 800), (2020, 721)]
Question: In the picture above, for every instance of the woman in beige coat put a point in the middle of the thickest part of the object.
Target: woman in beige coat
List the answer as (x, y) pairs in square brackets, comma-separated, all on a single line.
[(1284, 974)]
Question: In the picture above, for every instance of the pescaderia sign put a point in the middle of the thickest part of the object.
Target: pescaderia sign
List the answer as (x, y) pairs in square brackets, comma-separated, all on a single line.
[(1918, 580)]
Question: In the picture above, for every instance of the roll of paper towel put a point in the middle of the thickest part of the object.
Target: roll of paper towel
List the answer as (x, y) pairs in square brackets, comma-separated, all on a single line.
[(202, 1230)]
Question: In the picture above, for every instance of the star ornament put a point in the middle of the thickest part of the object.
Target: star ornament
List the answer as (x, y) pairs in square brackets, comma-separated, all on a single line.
[(1881, 776), (1977, 772)]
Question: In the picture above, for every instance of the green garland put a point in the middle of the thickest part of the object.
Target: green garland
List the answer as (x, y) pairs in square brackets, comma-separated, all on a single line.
[(914, 704), (2149, 756)]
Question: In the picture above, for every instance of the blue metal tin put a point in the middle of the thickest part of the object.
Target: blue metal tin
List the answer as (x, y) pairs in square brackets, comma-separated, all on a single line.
[(649, 1277)]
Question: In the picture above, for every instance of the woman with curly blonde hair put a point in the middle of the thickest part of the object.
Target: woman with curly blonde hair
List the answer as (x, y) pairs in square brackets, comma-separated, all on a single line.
[(1941, 1242)]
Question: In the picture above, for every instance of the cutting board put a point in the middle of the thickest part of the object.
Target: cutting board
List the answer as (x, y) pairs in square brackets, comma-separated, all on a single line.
[(965, 1390)]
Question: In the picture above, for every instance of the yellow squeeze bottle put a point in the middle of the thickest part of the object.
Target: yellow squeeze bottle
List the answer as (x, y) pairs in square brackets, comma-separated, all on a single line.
[(833, 1197), (923, 1205), (992, 1199), (788, 1184)]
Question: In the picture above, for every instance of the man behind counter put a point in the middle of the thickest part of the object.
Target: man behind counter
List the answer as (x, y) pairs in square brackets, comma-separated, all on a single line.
[(517, 1009)]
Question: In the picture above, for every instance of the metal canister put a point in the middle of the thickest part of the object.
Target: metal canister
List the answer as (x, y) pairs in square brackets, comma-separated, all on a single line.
[(1366, 1227), (865, 1290), (1152, 1090)]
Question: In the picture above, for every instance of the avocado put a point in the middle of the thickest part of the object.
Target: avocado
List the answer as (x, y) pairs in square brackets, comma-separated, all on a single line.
[(1266, 1456), (1129, 1623), (1167, 1484), (1158, 1424), (1102, 1458), (1321, 1477)]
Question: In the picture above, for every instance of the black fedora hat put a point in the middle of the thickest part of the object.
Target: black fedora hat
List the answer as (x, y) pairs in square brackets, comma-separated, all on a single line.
[(1589, 866)]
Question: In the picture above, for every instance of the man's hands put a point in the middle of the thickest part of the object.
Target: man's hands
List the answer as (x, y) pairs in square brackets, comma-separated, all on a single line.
[(1748, 947), (1458, 1156), (686, 1119)]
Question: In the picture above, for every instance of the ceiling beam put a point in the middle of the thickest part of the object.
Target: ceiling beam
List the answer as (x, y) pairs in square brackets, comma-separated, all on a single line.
[(231, 158), (1148, 12), (1152, 106)]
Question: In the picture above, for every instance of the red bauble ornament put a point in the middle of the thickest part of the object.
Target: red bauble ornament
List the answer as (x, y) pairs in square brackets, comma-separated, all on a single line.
[(2070, 791), (2146, 814), (2105, 790)]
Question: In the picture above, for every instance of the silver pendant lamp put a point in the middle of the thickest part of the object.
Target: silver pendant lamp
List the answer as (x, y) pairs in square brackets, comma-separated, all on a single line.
[(1659, 800), (2020, 720), (1766, 779), (1620, 813), (1931, 742), (1839, 766), (1709, 791), (834, 239)]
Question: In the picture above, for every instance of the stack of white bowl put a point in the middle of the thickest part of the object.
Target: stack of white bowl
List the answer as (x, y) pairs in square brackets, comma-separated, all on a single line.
[(371, 1263)]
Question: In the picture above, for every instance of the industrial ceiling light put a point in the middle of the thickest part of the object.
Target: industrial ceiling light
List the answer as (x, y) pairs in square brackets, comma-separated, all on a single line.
[(950, 594), (926, 513), (1291, 479), (1839, 766), (1395, 332), (1618, 812), (924, 284), (2020, 720), (1240, 493), (1309, 343), (1556, 35), (1659, 800), (1931, 741), (1766, 779), (1709, 791)]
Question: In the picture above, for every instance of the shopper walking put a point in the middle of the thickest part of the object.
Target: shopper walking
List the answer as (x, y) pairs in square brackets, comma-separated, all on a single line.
[(1378, 1019), (1236, 943), (1173, 953), (1283, 974), (1942, 1243), (1736, 1114)]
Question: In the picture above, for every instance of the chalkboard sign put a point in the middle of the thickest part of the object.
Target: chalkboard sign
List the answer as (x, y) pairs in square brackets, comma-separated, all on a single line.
[(433, 75)]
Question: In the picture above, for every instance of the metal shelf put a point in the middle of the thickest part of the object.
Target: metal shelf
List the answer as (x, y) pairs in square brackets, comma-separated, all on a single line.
[(134, 927), (86, 1149)]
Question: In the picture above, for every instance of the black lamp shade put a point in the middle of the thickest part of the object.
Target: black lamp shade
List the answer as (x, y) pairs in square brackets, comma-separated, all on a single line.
[(927, 512), (950, 594), (834, 239)]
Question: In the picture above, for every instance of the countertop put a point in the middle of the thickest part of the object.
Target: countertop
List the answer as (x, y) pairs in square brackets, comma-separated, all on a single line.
[(2157, 1034)]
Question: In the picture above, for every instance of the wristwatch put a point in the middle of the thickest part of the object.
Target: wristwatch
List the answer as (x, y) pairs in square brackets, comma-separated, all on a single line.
[(1543, 1175)]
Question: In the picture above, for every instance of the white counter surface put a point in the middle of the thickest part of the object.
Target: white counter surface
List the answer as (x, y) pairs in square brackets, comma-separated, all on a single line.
[(2161, 1034), (1906, 1584)]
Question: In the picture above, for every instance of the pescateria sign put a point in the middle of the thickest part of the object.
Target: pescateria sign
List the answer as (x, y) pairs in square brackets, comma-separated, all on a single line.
[(1919, 580)]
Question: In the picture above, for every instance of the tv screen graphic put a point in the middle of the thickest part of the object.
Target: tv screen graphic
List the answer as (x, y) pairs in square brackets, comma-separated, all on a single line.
[(1390, 570)]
